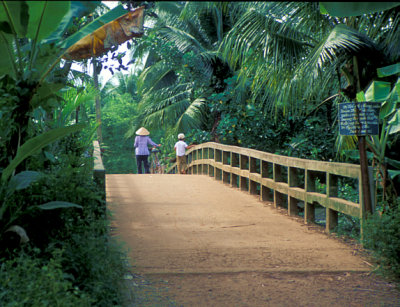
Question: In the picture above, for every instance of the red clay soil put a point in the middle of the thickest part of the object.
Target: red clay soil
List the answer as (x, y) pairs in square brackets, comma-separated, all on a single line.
[(197, 242)]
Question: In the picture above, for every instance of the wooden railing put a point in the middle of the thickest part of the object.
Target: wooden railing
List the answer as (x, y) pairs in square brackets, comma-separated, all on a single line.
[(297, 184), (99, 172)]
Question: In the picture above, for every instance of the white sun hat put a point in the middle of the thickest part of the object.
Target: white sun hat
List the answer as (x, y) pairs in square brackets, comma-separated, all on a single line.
[(181, 136), (142, 131)]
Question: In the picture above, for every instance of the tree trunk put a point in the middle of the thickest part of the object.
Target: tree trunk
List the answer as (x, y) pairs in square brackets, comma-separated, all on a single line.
[(97, 99), (366, 192)]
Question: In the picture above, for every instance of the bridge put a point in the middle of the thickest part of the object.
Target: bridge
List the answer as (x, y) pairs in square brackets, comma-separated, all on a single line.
[(241, 230)]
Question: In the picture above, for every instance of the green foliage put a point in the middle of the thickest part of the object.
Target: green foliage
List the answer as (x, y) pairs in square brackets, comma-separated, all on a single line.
[(388, 94), (118, 115), (95, 263), (382, 236), (37, 143), (246, 124), (348, 191), (319, 186), (354, 8), (12, 112), (91, 263), (198, 137), (52, 215), (32, 54), (32, 281), (181, 68), (311, 138), (348, 226)]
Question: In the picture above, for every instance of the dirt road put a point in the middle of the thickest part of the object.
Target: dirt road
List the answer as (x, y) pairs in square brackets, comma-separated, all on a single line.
[(203, 243)]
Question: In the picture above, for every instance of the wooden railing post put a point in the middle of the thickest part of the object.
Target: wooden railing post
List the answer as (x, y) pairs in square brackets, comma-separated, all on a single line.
[(253, 165), (218, 158), (293, 182), (277, 176), (225, 160), (189, 159), (195, 166), (309, 207), (201, 157), (252, 169), (243, 166), (211, 156), (206, 168), (265, 196), (264, 169), (234, 163), (331, 218)]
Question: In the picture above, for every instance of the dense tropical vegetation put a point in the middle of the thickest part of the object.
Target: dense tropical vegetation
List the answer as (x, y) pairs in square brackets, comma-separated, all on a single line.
[(270, 76), (55, 247), (262, 75)]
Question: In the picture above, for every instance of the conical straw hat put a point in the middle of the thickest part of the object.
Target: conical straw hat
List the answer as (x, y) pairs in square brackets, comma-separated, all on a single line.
[(142, 131)]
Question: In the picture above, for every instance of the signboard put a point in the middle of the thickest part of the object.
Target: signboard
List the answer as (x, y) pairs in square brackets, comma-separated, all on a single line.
[(359, 118)]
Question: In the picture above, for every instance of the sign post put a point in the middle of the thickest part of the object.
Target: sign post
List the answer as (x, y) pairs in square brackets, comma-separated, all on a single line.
[(360, 119)]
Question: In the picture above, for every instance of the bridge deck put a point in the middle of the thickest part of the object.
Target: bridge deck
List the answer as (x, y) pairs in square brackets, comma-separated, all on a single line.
[(177, 225)]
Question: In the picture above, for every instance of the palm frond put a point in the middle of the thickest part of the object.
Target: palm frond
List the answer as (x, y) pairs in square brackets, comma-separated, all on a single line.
[(172, 107), (272, 40), (342, 41), (186, 43), (164, 106), (156, 76), (169, 7), (346, 142), (193, 117)]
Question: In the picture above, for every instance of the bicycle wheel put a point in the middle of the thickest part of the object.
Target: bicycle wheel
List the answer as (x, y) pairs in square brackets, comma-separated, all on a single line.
[(153, 165), (158, 169)]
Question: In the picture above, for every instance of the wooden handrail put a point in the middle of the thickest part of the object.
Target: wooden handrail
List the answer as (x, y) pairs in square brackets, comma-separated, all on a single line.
[(280, 179)]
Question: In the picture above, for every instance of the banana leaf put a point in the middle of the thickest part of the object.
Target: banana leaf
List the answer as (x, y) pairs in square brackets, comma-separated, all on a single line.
[(394, 123), (23, 180), (35, 20), (58, 205), (388, 70), (378, 91), (101, 38), (44, 17), (393, 173), (15, 14), (38, 142), (78, 9)]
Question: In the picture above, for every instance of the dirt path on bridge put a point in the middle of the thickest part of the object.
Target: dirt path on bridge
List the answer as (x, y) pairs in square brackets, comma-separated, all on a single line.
[(196, 242)]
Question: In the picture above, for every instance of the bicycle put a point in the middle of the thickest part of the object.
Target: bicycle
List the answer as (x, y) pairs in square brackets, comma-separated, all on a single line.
[(155, 165)]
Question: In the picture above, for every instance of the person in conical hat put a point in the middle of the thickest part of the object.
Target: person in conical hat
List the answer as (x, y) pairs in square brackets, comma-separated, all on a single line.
[(180, 148), (142, 141), (142, 131)]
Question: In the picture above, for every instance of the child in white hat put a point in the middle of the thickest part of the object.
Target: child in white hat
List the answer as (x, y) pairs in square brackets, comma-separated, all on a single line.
[(180, 148)]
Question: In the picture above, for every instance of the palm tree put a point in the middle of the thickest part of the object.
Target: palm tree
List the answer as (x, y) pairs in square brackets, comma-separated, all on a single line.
[(293, 55), (177, 80), (120, 84), (292, 64)]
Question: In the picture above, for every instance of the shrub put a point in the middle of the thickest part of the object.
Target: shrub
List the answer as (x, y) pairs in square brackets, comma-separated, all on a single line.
[(95, 263), (382, 236), (74, 255), (31, 281)]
